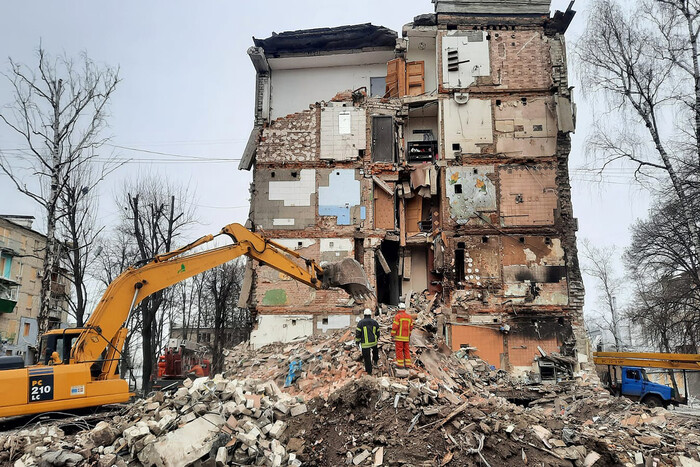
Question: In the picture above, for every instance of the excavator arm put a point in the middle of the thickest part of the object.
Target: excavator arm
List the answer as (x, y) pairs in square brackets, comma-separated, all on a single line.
[(140, 281)]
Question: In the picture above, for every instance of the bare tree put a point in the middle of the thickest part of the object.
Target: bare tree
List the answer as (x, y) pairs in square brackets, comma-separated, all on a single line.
[(59, 113), (663, 264), (644, 59), (598, 263), (155, 215), (79, 226), (113, 255), (224, 287)]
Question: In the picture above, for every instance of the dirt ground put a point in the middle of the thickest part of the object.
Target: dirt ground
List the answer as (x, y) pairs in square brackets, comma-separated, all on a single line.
[(357, 418)]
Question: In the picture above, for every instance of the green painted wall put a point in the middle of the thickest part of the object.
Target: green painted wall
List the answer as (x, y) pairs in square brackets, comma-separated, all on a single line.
[(275, 297)]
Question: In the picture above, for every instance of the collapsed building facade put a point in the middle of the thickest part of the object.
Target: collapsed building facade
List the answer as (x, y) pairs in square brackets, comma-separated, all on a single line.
[(438, 160)]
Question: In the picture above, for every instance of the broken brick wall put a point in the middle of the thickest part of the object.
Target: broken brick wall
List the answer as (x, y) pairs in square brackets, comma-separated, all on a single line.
[(485, 221)]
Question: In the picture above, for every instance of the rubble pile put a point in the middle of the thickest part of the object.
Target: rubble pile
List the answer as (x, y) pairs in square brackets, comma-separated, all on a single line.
[(222, 421), (582, 426), (310, 403)]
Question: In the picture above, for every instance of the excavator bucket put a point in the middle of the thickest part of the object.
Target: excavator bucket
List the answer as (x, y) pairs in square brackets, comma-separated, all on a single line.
[(349, 276)]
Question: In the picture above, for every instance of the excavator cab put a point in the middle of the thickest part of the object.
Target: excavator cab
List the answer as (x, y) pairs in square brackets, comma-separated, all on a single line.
[(60, 341)]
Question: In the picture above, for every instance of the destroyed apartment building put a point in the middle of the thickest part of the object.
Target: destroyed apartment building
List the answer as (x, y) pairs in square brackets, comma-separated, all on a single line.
[(438, 160)]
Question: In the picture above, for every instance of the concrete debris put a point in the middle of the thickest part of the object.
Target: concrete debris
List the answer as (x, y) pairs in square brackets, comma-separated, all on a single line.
[(450, 408)]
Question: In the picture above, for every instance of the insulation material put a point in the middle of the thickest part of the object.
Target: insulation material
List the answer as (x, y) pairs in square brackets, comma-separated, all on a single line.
[(285, 199), (528, 195), (526, 127), (466, 126), (465, 55), (343, 131), (488, 342), (384, 208), (469, 190), (339, 196)]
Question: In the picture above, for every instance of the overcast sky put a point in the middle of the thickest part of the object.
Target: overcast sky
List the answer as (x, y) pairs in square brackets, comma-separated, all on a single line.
[(187, 89)]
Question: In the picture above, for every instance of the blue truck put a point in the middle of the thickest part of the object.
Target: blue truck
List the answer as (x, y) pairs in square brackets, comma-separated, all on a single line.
[(634, 384)]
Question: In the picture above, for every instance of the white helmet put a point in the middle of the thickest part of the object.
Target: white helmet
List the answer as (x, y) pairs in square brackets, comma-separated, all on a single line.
[(402, 306), (368, 312)]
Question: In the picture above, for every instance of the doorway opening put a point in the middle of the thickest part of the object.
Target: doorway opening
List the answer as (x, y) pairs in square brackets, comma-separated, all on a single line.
[(387, 273)]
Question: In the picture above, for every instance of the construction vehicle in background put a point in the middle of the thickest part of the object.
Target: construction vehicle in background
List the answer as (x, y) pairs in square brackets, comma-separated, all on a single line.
[(78, 367), (181, 359), (624, 374)]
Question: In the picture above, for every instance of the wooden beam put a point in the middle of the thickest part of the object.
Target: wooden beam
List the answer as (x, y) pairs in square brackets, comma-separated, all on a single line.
[(383, 185)]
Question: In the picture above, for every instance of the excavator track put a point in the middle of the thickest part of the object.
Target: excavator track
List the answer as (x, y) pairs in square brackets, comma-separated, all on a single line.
[(68, 421)]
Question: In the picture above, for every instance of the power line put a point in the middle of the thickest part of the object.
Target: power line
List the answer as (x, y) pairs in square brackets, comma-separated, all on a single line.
[(127, 148), (141, 160)]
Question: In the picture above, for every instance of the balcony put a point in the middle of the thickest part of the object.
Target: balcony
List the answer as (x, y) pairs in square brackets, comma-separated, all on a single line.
[(9, 290), (58, 290), (10, 246)]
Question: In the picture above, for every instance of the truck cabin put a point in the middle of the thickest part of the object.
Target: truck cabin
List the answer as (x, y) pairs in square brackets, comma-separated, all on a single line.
[(636, 374)]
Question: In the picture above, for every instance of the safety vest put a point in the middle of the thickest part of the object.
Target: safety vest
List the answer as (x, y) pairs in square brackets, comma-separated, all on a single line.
[(402, 326), (367, 333)]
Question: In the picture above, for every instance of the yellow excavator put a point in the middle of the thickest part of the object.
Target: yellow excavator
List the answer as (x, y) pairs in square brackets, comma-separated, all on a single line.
[(79, 366)]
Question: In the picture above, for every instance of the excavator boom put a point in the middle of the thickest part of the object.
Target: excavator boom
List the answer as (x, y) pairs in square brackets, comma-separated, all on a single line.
[(84, 370)]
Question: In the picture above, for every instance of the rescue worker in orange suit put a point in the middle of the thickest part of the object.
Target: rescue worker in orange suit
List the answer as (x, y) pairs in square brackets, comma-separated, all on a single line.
[(401, 333), (367, 336)]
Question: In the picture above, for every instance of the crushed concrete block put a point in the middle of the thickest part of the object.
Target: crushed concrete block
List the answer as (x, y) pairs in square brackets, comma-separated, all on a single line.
[(103, 434), (247, 438), (135, 432), (361, 457), (298, 410), (107, 460), (281, 407), (277, 429), (184, 445), (221, 457)]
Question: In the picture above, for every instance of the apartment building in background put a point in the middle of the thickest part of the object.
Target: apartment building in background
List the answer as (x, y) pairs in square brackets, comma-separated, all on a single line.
[(438, 158), (21, 263)]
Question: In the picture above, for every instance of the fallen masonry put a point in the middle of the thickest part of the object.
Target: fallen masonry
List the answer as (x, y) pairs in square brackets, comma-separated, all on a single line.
[(447, 411)]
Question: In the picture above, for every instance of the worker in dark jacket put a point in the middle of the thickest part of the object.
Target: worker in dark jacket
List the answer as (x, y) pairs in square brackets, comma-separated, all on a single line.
[(367, 336)]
